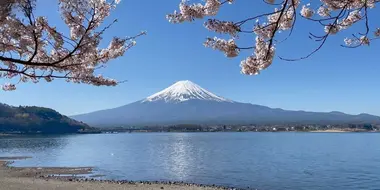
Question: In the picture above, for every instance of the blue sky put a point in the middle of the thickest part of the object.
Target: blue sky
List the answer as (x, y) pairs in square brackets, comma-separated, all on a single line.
[(334, 79)]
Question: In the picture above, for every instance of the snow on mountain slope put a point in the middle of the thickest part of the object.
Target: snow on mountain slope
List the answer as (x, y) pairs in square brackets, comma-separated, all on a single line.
[(186, 102), (183, 91)]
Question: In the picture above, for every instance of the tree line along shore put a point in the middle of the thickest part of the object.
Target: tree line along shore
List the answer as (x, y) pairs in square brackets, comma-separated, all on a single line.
[(212, 128), (247, 128)]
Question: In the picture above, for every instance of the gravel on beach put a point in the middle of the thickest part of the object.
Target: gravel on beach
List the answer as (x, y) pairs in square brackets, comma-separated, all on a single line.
[(38, 178)]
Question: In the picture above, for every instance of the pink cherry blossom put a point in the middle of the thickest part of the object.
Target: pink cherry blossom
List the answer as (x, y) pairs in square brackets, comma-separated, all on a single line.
[(333, 16), (306, 11), (32, 49)]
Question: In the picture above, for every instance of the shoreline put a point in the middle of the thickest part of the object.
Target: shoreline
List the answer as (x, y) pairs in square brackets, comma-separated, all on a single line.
[(35, 178), (332, 131), (343, 130)]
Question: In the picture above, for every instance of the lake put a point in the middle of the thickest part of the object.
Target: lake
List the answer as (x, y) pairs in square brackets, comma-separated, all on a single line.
[(266, 161)]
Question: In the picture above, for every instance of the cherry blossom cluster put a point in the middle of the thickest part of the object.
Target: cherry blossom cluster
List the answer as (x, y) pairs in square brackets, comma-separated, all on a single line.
[(262, 58), (222, 27), (31, 49), (333, 15), (190, 12), (228, 47), (343, 14)]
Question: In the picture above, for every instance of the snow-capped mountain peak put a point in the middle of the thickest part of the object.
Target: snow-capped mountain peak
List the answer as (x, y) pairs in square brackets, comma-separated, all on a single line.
[(183, 91)]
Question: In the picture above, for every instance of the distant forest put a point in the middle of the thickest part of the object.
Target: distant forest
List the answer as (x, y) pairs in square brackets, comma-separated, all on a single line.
[(32, 119)]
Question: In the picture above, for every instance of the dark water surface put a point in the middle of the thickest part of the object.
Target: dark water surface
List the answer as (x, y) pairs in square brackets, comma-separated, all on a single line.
[(267, 161)]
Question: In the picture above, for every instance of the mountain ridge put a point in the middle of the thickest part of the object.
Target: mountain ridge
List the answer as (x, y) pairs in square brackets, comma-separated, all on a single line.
[(187, 102), (33, 119)]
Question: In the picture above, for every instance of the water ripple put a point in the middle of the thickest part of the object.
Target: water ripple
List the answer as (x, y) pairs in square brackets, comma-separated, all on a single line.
[(266, 161)]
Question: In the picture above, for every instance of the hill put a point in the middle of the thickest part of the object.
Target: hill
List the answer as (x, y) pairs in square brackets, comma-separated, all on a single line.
[(31, 119)]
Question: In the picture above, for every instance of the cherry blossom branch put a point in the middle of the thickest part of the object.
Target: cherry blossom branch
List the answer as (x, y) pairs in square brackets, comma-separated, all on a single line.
[(333, 15), (44, 52)]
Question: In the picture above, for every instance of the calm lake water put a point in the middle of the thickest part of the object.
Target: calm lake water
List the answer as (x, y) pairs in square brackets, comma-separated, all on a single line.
[(266, 161)]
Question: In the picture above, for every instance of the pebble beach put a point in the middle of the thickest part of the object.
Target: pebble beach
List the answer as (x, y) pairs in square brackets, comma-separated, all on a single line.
[(64, 178)]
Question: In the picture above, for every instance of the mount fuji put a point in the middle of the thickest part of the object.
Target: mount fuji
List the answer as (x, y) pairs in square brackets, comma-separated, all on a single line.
[(183, 91), (185, 102)]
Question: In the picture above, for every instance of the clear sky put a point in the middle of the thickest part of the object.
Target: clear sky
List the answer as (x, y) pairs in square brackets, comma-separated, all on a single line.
[(335, 79)]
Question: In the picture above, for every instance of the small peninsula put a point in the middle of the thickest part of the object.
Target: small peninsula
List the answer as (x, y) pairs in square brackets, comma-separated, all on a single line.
[(32, 120)]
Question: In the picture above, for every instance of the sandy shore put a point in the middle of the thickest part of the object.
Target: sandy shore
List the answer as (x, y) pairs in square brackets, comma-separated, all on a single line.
[(37, 178)]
